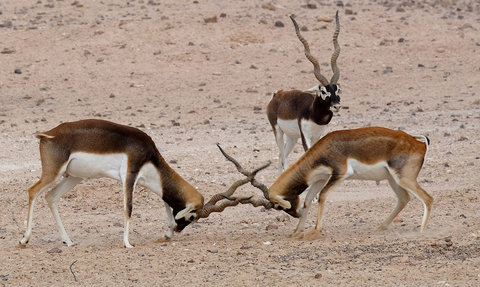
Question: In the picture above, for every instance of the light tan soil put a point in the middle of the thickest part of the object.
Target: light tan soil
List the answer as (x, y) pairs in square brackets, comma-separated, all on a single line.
[(159, 66)]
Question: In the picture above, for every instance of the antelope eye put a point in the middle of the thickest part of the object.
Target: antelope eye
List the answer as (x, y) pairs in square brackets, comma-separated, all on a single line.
[(192, 218)]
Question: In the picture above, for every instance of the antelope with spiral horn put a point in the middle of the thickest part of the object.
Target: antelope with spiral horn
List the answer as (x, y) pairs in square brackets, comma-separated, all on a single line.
[(304, 114), (93, 148), (371, 153)]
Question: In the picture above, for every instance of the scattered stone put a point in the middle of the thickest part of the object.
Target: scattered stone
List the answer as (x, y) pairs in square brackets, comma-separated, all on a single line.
[(253, 67), (318, 276), (385, 42), (324, 19), (269, 6), (279, 24), (7, 51), (210, 19), (401, 40), (213, 250), (348, 12), (387, 70), (6, 24), (173, 161), (463, 216), (304, 29), (223, 15), (156, 53), (18, 71), (421, 65), (246, 247), (271, 227), (340, 4), (310, 6), (448, 241), (54, 250)]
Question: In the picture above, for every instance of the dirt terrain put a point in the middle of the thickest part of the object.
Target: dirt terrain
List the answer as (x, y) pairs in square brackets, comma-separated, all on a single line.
[(194, 73)]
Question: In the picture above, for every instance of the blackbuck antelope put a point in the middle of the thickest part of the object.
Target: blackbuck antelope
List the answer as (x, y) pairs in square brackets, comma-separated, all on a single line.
[(304, 114), (371, 153), (92, 148)]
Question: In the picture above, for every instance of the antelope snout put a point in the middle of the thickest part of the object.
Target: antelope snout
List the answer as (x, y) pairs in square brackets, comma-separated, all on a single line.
[(335, 107)]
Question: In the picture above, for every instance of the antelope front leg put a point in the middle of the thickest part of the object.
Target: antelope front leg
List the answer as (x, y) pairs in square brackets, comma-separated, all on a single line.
[(171, 221), (311, 191)]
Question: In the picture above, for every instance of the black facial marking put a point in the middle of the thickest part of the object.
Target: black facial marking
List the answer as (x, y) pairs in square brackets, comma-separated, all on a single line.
[(181, 224), (332, 90)]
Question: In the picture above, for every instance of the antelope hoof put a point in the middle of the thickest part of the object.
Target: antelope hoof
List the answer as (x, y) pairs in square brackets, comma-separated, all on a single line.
[(68, 242), (128, 245), (382, 227), (24, 240)]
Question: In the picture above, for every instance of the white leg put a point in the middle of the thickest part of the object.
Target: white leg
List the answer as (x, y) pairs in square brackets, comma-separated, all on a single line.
[(52, 197), (312, 190), (45, 183), (280, 144), (289, 144), (403, 198), (129, 181), (171, 221), (28, 232)]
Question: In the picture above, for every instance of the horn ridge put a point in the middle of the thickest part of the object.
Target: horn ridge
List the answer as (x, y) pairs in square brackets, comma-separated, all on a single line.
[(336, 53), (316, 66)]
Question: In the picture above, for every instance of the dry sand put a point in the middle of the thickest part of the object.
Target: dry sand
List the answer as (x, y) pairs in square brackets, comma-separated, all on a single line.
[(194, 73)]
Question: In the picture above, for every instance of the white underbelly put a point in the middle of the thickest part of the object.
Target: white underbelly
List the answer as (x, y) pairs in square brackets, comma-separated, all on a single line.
[(312, 130), (87, 165), (289, 127), (358, 170)]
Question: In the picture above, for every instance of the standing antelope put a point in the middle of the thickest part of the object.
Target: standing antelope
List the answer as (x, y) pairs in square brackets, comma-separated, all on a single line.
[(371, 153), (94, 148), (304, 115)]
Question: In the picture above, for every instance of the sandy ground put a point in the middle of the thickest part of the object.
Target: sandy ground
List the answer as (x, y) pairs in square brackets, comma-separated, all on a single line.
[(194, 73)]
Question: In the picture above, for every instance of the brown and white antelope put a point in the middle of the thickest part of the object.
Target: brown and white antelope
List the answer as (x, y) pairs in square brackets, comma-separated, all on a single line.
[(372, 153), (92, 148), (304, 114)]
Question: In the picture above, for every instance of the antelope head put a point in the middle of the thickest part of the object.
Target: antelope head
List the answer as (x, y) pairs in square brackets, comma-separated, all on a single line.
[(329, 91)]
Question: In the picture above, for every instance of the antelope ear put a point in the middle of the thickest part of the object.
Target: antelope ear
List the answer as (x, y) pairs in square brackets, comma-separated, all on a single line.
[(282, 202), (184, 211)]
